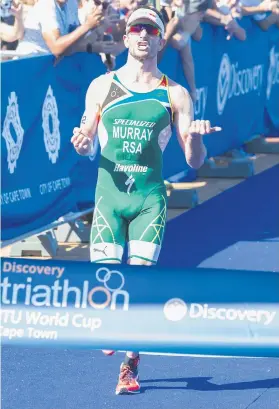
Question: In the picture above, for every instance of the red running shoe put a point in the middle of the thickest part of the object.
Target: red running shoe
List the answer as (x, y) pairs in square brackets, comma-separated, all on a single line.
[(128, 381)]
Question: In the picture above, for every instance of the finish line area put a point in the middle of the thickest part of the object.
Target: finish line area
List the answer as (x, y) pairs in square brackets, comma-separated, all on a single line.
[(60, 379), (201, 330)]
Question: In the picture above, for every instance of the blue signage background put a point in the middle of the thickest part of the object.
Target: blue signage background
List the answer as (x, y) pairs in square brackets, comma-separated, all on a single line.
[(37, 186)]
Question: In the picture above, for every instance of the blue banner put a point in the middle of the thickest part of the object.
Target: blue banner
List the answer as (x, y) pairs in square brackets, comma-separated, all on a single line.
[(233, 73), (40, 106), (83, 305), (42, 176)]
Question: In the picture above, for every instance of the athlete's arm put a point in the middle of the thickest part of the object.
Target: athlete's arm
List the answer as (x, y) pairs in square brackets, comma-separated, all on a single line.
[(83, 136), (189, 132)]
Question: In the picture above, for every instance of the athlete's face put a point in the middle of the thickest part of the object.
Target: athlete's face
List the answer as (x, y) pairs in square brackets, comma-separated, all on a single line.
[(143, 40)]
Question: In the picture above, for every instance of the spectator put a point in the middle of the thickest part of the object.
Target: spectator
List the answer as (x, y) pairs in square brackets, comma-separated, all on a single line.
[(264, 13), (126, 6), (182, 22), (109, 35), (11, 27), (224, 13), (52, 26)]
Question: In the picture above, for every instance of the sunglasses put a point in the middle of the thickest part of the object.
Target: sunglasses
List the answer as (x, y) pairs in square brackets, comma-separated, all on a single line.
[(151, 30), (105, 4)]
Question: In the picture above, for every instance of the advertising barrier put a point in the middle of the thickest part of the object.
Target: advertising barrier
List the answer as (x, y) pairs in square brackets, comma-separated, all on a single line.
[(84, 305)]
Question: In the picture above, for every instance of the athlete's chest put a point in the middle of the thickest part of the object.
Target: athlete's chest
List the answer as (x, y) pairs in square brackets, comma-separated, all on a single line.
[(136, 119), (135, 124)]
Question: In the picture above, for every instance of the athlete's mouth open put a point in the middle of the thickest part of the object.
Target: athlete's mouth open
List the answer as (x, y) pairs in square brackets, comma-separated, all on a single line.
[(143, 44)]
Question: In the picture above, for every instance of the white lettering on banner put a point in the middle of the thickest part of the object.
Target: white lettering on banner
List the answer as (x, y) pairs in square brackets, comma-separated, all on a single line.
[(58, 320), (80, 321), (51, 126), (62, 320), (12, 121), (13, 267), (39, 334), (48, 323), (273, 71), (59, 293), (11, 316), (44, 325), (200, 103), (233, 82), (54, 185), (176, 309), (15, 196), (10, 332)]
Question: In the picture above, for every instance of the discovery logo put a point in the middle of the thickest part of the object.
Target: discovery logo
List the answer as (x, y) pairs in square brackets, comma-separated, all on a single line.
[(176, 309), (233, 82), (273, 71), (200, 103), (13, 267)]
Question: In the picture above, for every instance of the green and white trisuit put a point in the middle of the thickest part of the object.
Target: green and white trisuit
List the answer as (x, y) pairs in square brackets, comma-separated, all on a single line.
[(130, 199)]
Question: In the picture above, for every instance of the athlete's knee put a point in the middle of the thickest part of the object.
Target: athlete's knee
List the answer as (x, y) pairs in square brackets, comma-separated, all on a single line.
[(139, 262)]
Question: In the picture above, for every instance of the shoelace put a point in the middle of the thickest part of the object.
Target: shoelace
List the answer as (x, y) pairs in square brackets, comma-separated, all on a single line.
[(126, 374)]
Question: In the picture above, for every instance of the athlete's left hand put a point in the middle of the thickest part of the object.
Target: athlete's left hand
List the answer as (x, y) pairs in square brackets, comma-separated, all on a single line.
[(202, 127)]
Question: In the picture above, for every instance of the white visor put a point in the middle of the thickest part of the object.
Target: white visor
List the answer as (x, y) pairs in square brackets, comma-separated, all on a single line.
[(148, 15)]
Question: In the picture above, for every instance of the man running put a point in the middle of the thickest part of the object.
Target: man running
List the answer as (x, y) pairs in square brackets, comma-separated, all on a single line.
[(133, 111)]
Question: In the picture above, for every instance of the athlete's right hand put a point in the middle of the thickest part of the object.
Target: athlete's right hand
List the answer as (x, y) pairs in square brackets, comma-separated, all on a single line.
[(82, 142)]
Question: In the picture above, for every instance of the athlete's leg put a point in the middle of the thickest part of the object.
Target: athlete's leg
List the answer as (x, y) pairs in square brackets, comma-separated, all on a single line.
[(108, 352), (145, 239), (108, 231), (146, 231), (132, 355), (128, 381)]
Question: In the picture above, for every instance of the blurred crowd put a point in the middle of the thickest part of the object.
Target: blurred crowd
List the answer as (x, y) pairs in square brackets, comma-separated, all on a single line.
[(63, 27)]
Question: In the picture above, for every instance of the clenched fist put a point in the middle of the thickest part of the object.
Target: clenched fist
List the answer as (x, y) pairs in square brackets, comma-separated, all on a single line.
[(82, 142)]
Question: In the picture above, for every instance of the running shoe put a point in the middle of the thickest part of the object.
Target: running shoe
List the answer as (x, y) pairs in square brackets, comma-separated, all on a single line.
[(128, 381)]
